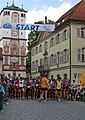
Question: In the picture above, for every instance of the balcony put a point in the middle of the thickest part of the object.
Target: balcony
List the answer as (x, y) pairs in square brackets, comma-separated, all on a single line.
[(43, 68)]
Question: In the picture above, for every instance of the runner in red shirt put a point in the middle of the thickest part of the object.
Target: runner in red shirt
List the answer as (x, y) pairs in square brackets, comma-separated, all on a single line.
[(16, 87)]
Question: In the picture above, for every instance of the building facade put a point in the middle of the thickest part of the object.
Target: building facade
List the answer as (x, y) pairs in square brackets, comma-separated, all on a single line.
[(13, 42), (1, 60), (61, 52)]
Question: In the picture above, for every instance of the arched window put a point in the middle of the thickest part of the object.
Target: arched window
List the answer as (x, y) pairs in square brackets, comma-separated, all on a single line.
[(51, 60), (45, 45), (21, 14), (36, 50), (24, 15), (40, 48), (57, 38), (8, 13), (51, 42), (36, 65), (65, 34)]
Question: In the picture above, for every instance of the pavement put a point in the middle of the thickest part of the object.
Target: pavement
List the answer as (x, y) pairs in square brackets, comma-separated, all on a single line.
[(50, 110)]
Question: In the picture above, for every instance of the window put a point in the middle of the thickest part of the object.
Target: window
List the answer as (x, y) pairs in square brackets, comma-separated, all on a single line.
[(45, 45), (54, 60), (40, 48), (65, 55), (81, 32), (36, 65), (41, 62), (57, 38), (24, 15), (32, 52), (51, 42), (65, 34), (62, 57), (58, 57), (46, 61), (51, 60), (33, 66), (81, 54), (14, 65), (8, 13), (21, 14), (36, 50)]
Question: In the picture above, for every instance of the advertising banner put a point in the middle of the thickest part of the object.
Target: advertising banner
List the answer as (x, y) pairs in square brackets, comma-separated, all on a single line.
[(31, 27)]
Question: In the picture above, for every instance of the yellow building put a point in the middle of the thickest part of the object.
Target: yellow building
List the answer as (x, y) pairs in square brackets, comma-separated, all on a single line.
[(62, 51)]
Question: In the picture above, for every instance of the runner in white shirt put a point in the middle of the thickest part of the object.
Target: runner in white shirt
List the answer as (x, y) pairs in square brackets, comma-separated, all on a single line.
[(21, 88)]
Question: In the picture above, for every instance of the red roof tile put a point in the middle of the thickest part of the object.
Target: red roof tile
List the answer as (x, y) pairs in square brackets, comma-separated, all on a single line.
[(75, 13)]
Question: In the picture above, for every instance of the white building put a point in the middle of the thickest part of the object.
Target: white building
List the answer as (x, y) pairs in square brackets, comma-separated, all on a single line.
[(1, 60), (62, 51), (13, 42)]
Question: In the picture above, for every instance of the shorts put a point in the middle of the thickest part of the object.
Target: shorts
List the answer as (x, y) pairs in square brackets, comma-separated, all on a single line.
[(44, 89), (21, 88), (58, 90)]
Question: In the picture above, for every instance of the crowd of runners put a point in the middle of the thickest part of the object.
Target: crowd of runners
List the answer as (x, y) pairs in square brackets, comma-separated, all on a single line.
[(42, 88)]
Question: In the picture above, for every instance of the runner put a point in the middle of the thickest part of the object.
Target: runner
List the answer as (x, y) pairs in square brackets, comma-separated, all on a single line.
[(44, 87)]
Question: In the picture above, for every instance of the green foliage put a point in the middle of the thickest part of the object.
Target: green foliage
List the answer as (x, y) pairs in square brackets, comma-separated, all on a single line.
[(28, 58), (33, 36), (50, 22)]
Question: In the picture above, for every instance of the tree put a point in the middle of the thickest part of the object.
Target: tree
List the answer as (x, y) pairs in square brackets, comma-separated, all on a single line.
[(33, 36)]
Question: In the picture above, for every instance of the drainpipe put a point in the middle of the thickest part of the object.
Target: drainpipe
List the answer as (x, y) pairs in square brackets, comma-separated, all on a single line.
[(70, 50)]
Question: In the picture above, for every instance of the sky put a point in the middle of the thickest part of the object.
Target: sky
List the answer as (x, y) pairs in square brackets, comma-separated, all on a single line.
[(38, 9)]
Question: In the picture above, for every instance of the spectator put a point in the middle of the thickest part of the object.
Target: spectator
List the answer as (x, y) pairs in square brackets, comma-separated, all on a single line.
[(2, 92)]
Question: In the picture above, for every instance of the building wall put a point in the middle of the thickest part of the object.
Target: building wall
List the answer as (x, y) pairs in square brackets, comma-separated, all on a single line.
[(13, 44), (64, 68)]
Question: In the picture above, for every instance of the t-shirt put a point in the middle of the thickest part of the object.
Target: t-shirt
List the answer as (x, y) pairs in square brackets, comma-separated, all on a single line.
[(21, 83), (28, 85), (44, 83), (16, 84), (59, 84)]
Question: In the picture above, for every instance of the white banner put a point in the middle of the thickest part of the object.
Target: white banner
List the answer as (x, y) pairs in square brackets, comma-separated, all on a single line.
[(32, 27)]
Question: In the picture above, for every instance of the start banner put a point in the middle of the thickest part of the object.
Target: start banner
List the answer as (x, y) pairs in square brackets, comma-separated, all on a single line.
[(31, 27)]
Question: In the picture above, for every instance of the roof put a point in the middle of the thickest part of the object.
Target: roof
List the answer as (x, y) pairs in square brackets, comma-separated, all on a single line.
[(13, 7), (75, 13)]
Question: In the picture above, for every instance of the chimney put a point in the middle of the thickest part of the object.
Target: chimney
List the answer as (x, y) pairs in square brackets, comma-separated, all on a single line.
[(45, 19)]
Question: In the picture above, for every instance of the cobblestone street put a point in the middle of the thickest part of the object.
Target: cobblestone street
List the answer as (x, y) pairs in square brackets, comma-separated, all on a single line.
[(34, 110)]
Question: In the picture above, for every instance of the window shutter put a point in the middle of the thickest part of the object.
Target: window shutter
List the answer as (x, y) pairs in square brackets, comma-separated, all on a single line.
[(67, 55), (67, 34), (78, 32), (54, 59), (79, 51)]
